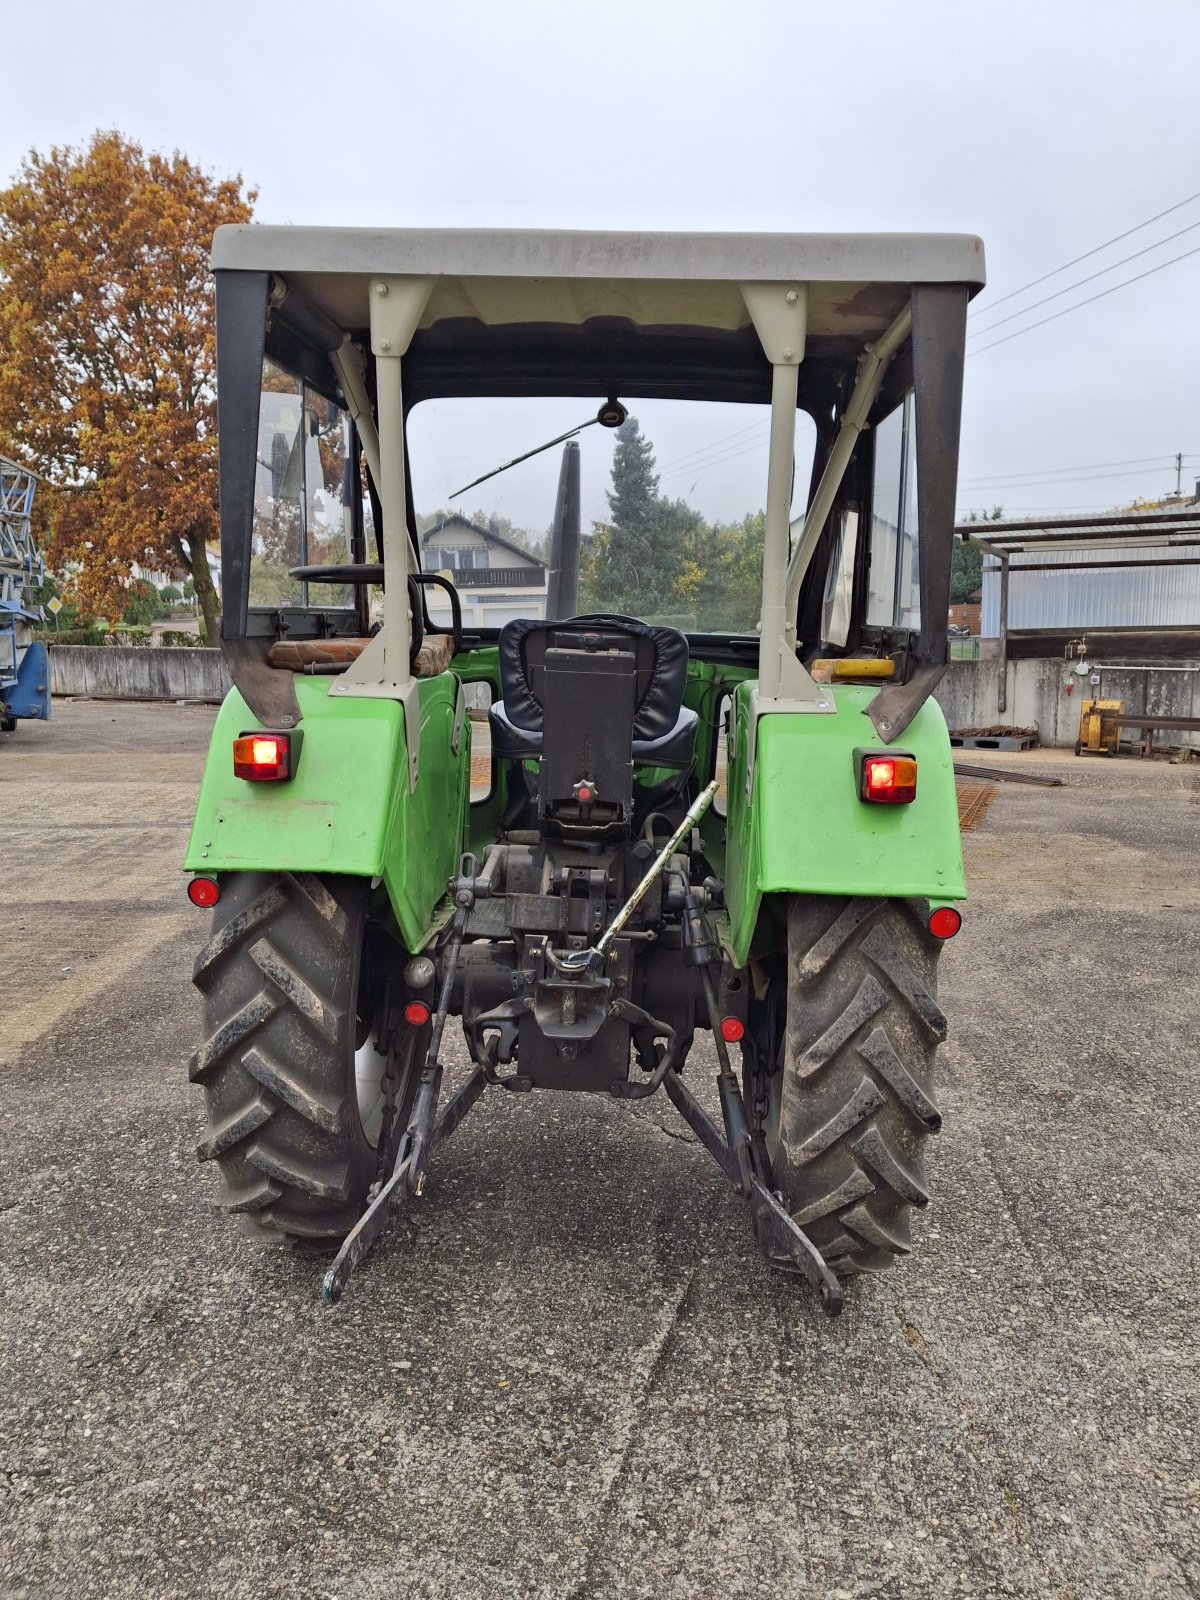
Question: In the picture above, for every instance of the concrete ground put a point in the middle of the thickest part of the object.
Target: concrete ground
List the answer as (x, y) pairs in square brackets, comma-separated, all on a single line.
[(569, 1375)]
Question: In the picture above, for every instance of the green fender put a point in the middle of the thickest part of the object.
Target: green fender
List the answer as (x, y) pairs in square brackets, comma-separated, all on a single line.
[(803, 829), (349, 807)]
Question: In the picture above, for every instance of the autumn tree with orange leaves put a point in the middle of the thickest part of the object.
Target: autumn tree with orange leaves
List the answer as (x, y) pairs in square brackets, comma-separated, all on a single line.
[(108, 356)]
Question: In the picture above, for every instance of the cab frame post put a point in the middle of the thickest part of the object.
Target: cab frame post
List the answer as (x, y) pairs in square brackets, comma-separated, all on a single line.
[(384, 670)]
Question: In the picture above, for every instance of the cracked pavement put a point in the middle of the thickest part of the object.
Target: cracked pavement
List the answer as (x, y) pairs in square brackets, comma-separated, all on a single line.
[(567, 1373)]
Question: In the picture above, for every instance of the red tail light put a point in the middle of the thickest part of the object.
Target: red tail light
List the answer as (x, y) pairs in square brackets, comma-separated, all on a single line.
[(266, 757), (204, 892), (888, 780), (944, 923)]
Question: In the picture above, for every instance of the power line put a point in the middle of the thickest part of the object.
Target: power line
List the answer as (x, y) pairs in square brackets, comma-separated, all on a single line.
[(754, 447), (1036, 483), (718, 460), (1093, 466), (761, 424), (1079, 283), (1089, 253), (1079, 305)]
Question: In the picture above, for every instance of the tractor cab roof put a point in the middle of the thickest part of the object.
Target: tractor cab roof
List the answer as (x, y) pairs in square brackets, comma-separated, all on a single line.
[(843, 326), (857, 283)]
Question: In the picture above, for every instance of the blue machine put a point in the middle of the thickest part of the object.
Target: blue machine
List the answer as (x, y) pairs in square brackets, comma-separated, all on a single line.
[(24, 663)]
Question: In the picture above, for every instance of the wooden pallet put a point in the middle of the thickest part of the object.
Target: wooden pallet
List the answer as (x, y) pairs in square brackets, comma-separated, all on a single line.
[(999, 741)]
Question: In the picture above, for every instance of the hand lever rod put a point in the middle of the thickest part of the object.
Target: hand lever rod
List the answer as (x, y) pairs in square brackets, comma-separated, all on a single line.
[(580, 960)]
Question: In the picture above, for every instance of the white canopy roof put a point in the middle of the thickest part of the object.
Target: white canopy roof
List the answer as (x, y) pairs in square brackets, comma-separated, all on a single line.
[(856, 282)]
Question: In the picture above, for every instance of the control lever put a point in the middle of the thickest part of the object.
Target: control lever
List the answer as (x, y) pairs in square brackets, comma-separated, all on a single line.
[(581, 960)]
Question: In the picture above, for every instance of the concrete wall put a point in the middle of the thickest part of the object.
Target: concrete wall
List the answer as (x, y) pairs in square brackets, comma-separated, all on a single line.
[(1037, 699), (967, 694), (128, 672)]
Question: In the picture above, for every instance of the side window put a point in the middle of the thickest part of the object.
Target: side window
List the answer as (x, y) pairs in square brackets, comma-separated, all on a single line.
[(721, 762), (302, 516), (894, 598), (839, 585), (483, 769), (908, 579)]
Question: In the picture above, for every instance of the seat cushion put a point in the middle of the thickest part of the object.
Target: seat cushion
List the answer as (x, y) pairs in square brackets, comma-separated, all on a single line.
[(432, 659), (510, 743), (674, 748)]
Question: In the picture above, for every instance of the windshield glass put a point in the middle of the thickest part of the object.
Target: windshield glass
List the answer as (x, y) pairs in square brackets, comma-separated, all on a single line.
[(670, 508)]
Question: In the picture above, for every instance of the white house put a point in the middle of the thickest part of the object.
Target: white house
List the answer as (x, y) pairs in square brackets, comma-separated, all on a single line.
[(158, 579), (496, 580)]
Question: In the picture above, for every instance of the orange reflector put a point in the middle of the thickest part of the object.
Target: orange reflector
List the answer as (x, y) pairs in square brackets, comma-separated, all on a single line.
[(204, 892), (417, 1013), (731, 1029), (944, 923), (264, 757), (843, 669), (888, 780)]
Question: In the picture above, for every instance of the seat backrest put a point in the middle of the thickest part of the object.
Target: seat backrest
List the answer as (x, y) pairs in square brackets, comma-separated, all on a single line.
[(662, 660)]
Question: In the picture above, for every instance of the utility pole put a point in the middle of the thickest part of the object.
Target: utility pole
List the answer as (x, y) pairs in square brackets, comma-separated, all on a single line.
[(1178, 470)]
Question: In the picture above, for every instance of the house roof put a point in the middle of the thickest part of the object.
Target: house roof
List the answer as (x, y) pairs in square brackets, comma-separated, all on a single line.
[(484, 533)]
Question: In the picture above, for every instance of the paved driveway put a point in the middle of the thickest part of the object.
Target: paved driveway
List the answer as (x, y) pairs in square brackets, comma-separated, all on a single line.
[(570, 1375)]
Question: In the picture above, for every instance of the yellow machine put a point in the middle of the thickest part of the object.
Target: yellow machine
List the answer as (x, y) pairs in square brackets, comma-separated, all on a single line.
[(1098, 727)]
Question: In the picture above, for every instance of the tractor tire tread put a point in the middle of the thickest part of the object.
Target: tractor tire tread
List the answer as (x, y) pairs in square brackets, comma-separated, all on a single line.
[(853, 1105), (279, 977)]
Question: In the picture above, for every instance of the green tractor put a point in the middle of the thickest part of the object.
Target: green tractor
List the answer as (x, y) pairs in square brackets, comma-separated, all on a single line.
[(711, 790)]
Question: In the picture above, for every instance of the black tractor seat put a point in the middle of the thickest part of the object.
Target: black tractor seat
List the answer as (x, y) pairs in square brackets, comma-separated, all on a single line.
[(664, 730)]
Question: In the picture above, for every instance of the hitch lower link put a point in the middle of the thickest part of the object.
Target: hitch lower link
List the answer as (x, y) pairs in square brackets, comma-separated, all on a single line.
[(425, 1128), (778, 1235)]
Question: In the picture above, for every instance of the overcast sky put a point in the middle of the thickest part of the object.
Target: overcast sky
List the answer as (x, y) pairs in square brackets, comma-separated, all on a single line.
[(1047, 128)]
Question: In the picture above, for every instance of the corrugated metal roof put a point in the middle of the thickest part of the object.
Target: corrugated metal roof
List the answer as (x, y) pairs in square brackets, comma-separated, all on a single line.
[(1128, 597)]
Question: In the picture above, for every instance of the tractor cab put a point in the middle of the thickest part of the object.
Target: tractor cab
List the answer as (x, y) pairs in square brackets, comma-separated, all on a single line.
[(600, 768)]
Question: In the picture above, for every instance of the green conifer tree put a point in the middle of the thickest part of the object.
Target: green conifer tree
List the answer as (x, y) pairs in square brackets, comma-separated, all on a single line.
[(624, 569)]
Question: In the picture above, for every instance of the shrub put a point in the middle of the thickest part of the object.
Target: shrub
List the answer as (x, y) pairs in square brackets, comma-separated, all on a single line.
[(143, 605), (121, 635)]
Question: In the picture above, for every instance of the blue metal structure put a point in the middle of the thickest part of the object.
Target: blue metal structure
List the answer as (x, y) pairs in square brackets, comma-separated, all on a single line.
[(24, 664)]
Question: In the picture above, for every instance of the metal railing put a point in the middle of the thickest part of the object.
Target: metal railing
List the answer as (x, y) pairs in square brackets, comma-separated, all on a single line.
[(500, 578)]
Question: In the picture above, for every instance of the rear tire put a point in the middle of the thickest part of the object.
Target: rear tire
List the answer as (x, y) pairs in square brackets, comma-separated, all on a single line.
[(280, 979), (851, 1109)]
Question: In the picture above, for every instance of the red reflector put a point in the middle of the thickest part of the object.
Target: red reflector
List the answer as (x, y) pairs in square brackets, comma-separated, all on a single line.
[(262, 757), (416, 1012), (583, 793), (888, 780), (204, 892), (944, 923), (731, 1029)]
